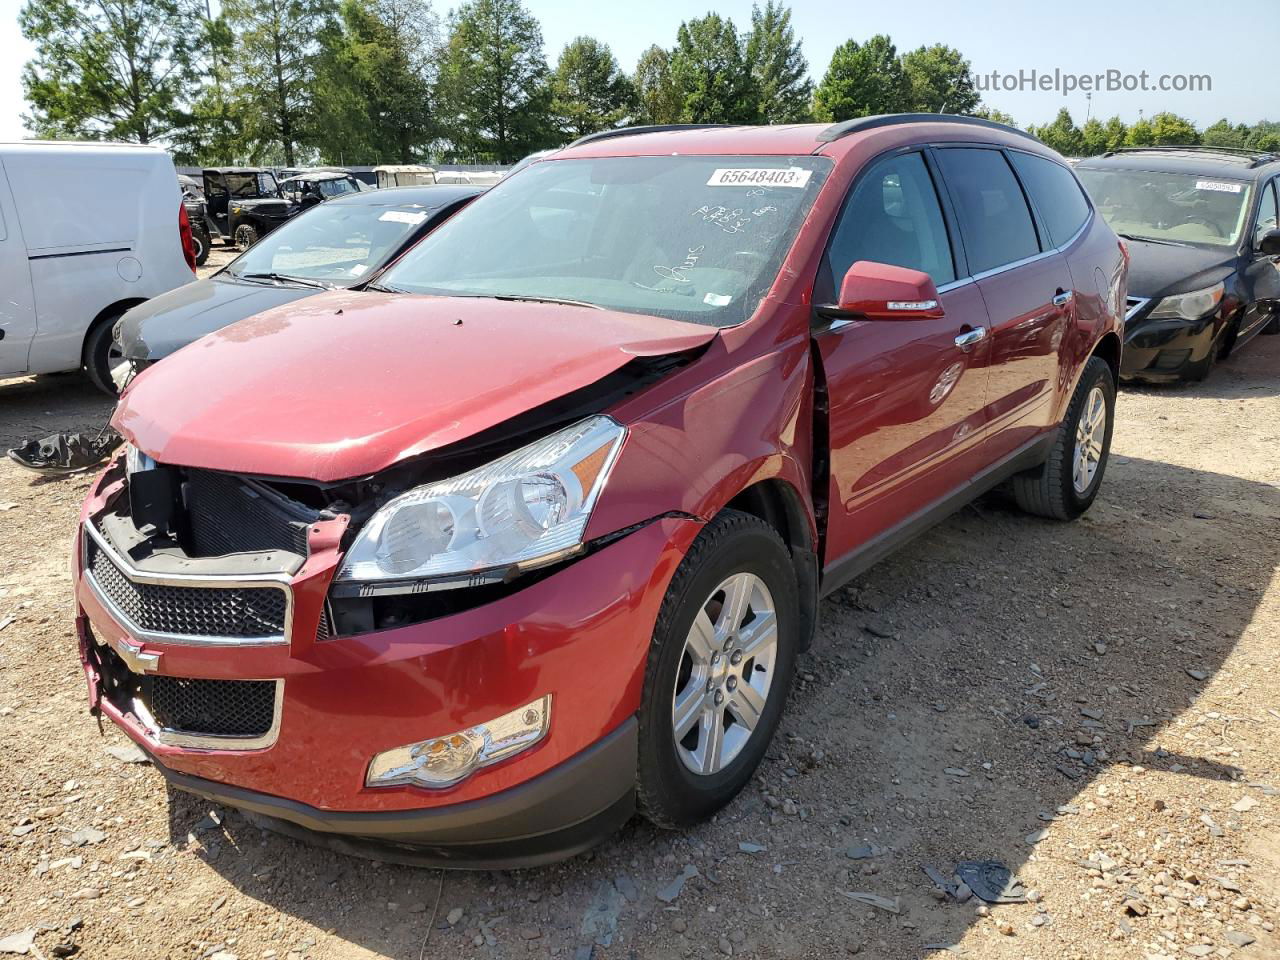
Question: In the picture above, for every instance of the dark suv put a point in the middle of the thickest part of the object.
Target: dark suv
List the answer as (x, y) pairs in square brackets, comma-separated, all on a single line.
[(1201, 224), (526, 535), (225, 185)]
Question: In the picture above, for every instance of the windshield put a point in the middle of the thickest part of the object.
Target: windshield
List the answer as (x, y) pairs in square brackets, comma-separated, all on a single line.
[(1181, 207), (336, 188), (337, 243), (691, 238)]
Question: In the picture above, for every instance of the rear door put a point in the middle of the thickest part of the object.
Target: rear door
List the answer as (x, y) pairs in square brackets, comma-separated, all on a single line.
[(905, 397), (1025, 284), (17, 304)]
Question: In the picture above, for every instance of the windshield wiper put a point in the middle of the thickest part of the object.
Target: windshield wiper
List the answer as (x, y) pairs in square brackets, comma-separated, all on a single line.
[(1167, 243), (560, 300), (381, 288), (284, 278)]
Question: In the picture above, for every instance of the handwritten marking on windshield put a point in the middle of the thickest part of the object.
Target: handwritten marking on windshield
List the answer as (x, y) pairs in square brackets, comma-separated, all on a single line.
[(677, 273), (730, 221)]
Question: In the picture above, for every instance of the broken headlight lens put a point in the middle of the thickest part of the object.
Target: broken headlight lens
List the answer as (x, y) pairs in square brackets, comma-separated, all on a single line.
[(522, 511), (1188, 306)]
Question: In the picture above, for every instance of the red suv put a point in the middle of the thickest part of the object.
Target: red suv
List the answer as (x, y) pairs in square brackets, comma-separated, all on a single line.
[(524, 536)]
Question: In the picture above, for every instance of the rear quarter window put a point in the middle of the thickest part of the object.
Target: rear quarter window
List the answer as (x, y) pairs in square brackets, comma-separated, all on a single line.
[(1056, 194), (995, 221)]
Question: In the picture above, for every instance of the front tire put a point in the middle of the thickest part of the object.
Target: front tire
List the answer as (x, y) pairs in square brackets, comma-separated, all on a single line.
[(1066, 484), (246, 236), (719, 668)]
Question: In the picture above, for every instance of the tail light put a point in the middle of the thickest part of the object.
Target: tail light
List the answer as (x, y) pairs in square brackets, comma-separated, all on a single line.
[(184, 235)]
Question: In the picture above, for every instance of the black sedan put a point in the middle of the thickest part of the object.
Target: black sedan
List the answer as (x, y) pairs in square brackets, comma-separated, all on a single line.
[(335, 245)]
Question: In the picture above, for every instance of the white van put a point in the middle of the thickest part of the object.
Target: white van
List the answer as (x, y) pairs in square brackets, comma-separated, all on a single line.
[(87, 230)]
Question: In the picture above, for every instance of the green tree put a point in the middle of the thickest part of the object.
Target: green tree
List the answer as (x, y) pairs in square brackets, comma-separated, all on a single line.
[(278, 45), (1140, 134), (658, 100), (208, 133), (998, 116), (1169, 128), (778, 65), (1062, 134), (1117, 133), (1223, 134), (861, 80), (374, 83), (1268, 142), (709, 68), (939, 80), (588, 91), (493, 81), (106, 69), (1093, 138)]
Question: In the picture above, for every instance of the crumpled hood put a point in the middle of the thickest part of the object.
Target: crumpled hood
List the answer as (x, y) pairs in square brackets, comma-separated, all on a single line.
[(155, 329), (1158, 269), (346, 384)]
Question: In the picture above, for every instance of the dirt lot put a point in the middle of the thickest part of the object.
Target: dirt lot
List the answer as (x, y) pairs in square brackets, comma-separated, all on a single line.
[(1095, 704)]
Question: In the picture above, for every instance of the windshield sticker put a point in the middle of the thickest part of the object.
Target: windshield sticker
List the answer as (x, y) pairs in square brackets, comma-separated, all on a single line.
[(760, 177), (717, 299), (403, 216), (359, 269), (1219, 186)]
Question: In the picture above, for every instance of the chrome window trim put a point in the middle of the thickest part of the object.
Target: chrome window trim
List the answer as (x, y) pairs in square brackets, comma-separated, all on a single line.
[(1133, 305), (278, 581), (170, 737)]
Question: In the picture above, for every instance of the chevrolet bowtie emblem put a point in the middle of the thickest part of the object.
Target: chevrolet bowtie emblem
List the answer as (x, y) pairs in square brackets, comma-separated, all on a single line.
[(137, 659)]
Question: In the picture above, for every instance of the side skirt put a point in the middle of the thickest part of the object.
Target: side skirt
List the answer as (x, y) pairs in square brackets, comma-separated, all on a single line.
[(862, 558)]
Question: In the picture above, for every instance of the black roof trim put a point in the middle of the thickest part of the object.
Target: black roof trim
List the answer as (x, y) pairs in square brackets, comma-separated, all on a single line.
[(858, 124), (1250, 158), (652, 128)]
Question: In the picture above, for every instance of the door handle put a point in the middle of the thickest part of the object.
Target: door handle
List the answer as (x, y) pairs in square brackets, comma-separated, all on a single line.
[(1062, 298), (966, 340)]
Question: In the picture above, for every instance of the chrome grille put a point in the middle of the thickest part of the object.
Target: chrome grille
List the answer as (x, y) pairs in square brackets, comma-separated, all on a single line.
[(1134, 304), (230, 613), (213, 708)]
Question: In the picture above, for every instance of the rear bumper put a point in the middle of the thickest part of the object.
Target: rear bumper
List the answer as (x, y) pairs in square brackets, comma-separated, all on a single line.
[(563, 812), (1163, 350)]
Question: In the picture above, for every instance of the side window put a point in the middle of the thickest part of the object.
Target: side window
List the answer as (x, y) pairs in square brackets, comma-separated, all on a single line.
[(892, 216), (1268, 214), (1055, 193), (994, 219)]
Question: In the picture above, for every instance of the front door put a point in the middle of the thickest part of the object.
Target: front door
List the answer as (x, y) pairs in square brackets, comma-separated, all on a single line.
[(17, 306), (1262, 273), (905, 397)]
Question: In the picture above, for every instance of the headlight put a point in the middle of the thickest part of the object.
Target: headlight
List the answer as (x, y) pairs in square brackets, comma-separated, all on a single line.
[(525, 510), (443, 761), (1188, 306)]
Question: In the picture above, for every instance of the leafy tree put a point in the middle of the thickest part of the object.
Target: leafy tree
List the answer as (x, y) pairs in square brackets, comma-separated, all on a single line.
[(709, 68), (1093, 138), (374, 84), (1062, 134), (862, 80), (1223, 134), (278, 44), (1269, 142), (589, 92), (778, 65), (109, 69), (208, 133), (1169, 128), (1117, 133), (998, 116), (658, 99), (1140, 134), (939, 80), (493, 80)]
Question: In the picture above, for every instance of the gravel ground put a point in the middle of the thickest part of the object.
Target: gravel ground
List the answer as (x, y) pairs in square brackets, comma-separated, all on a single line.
[(1095, 704)]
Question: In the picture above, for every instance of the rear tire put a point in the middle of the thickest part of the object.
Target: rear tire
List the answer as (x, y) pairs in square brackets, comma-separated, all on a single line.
[(728, 680), (100, 355), (246, 236), (200, 238), (1064, 487)]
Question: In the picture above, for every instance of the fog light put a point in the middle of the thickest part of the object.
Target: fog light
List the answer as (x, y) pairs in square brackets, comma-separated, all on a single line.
[(444, 761)]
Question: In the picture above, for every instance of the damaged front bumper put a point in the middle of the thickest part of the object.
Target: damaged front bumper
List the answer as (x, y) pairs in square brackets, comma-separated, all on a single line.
[(281, 713)]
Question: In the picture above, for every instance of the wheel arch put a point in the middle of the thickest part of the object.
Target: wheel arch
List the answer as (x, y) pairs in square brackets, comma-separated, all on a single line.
[(106, 315), (1109, 349)]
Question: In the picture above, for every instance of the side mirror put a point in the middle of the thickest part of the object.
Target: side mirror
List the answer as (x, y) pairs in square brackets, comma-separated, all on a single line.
[(881, 291), (1269, 245)]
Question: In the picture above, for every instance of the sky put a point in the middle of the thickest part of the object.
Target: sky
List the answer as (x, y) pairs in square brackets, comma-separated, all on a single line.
[(1082, 37)]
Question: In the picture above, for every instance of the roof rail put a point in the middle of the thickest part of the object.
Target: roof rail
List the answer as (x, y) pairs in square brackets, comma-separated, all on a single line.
[(1256, 157), (652, 128), (858, 124)]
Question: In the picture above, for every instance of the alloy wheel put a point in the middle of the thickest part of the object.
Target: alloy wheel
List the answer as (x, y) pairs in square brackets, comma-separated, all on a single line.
[(726, 674), (1091, 430)]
